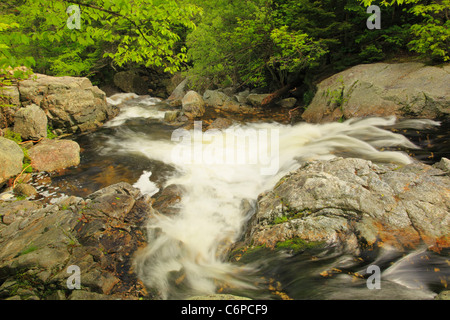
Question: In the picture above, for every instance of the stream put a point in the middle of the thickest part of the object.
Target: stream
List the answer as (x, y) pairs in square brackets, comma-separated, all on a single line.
[(187, 253)]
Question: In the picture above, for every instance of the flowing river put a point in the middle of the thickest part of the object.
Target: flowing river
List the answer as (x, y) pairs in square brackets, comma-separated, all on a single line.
[(222, 177)]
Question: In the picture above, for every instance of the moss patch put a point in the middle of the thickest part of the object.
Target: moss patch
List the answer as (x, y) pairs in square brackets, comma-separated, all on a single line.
[(297, 244)]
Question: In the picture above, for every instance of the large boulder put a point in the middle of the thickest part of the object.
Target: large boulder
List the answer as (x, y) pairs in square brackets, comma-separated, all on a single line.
[(11, 156), (31, 122), (354, 204), (411, 90), (193, 104), (99, 235), (72, 104), (50, 155)]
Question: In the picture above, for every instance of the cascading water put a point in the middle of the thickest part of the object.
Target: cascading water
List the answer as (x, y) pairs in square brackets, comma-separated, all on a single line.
[(222, 172)]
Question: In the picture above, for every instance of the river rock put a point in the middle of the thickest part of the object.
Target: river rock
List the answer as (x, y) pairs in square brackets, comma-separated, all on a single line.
[(31, 123), (9, 103), (11, 156), (50, 155), (354, 204), (99, 234), (411, 90), (171, 116), (215, 98), (256, 99), (24, 189), (193, 105), (72, 104), (220, 124), (287, 103), (177, 95)]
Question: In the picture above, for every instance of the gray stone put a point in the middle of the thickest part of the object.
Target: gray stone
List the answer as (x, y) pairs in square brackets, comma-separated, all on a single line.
[(10, 101), (444, 295), (99, 234), (171, 116), (26, 190), (70, 103), (193, 105), (31, 123), (177, 95), (256, 99), (411, 90), (50, 155), (354, 202), (287, 103), (11, 156), (215, 98), (444, 165)]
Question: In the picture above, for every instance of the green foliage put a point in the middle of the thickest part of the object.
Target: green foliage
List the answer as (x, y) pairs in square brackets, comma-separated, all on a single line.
[(430, 34), (140, 32), (50, 133), (297, 244), (14, 136)]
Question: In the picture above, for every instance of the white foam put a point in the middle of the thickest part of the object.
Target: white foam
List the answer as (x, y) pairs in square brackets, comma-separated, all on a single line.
[(145, 185), (211, 216)]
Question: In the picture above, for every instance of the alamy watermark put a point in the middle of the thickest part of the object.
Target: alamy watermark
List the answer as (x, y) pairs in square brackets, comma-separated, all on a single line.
[(374, 21), (74, 20), (374, 281), (74, 281), (233, 146)]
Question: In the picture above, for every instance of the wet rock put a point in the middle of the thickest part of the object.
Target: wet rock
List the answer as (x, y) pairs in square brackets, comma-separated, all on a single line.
[(11, 156), (215, 98), (193, 105), (411, 90), (171, 116), (31, 123), (353, 204), (220, 123), (287, 103), (176, 97), (50, 155), (26, 190), (167, 199), (71, 103), (444, 295), (444, 165), (241, 97), (256, 99), (99, 234)]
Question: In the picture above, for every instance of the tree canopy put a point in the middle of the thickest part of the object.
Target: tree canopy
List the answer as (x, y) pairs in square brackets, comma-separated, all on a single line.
[(252, 43)]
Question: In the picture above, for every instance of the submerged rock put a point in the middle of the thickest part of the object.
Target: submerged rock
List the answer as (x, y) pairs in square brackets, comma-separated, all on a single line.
[(355, 204)]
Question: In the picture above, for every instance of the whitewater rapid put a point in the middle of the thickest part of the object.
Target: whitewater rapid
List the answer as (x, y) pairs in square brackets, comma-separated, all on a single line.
[(223, 172)]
